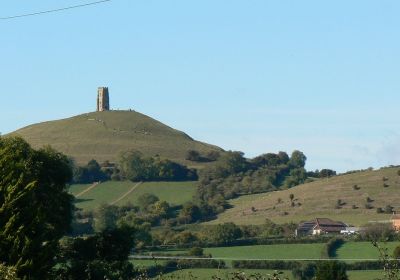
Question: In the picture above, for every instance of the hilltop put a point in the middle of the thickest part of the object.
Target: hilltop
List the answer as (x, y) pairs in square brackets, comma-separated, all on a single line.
[(104, 135), (320, 199)]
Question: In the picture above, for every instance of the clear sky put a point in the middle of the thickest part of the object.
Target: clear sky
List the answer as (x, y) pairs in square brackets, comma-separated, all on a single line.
[(251, 75)]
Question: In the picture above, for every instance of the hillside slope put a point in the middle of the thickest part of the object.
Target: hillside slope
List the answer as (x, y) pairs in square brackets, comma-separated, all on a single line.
[(104, 135), (320, 198)]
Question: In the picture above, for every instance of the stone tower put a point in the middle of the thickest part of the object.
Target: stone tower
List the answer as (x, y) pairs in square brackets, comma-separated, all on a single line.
[(103, 99)]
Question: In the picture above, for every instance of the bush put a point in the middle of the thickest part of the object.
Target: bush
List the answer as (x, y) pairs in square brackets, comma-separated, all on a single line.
[(329, 250), (196, 251), (305, 271), (331, 270), (396, 252)]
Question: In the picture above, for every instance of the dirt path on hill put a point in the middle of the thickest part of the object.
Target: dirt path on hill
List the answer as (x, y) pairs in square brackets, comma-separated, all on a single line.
[(88, 189), (126, 194)]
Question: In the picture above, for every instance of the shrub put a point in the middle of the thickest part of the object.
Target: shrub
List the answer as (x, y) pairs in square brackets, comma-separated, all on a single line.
[(331, 270), (196, 251), (379, 210), (329, 250), (396, 252)]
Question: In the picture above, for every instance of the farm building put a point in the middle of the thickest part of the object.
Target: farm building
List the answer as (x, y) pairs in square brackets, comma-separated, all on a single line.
[(320, 226)]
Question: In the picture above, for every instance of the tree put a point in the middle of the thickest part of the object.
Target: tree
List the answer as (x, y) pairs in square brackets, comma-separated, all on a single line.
[(331, 270), (193, 155), (225, 233), (396, 253), (145, 200), (106, 217), (35, 207), (297, 160), (190, 212), (101, 256), (326, 173)]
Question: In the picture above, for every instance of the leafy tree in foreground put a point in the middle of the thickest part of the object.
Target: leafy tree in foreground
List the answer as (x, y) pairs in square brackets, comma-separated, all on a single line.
[(101, 256), (331, 270), (35, 208)]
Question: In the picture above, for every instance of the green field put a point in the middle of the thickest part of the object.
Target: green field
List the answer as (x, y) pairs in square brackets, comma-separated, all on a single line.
[(206, 274), (175, 193), (286, 251), (104, 135), (363, 250), (319, 198)]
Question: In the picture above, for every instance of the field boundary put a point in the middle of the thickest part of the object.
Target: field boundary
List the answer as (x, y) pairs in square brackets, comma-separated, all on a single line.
[(126, 194), (145, 257), (88, 189)]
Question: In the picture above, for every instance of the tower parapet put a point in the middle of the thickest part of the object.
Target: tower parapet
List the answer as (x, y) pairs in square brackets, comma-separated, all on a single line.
[(103, 99)]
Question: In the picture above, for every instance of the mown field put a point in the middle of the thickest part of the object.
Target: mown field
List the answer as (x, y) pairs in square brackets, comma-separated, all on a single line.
[(275, 252), (363, 250), (175, 193), (319, 199)]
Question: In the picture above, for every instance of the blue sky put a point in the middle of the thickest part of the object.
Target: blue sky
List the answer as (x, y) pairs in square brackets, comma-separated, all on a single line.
[(256, 76)]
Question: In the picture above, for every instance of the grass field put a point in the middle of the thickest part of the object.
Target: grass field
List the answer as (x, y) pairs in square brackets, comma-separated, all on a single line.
[(175, 193), (104, 135), (319, 198), (363, 250), (206, 274), (286, 251)]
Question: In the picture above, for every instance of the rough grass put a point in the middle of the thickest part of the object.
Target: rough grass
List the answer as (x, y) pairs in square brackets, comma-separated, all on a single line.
[(318, 199), (104, 135), (175, 193)]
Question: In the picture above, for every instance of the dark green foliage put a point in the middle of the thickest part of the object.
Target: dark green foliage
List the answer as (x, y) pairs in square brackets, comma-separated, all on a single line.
[(101, 256), (193, 155), (304, 271), (196, 251), (234, 175), (326, 173), (331, 270), (90, 173), (35, 208), (190, 213), (135, 167), (145, 200), (225, 233), (396, 252), (106, 217), (330, 248), (297, 159)]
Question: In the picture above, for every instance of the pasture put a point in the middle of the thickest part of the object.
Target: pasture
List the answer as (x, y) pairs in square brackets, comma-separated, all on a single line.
[(175, 193), (320, 198), (363, 250)]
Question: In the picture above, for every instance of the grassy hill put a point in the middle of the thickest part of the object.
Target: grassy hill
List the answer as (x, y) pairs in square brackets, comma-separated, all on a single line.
[(319, 199), (103, 135)]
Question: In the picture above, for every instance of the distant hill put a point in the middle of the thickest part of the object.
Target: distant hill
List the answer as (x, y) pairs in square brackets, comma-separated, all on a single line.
[(320, 199), (104, 135)]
